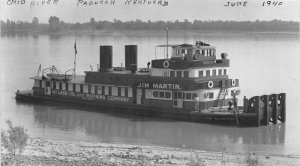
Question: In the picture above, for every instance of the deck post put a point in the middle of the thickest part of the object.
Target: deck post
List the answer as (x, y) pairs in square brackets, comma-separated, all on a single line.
[(266, 113), (257, 110), (282, 105), (274, 107)]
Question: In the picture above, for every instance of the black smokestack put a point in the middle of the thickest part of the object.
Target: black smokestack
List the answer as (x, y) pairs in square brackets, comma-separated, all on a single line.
[(106, 58), (131, 57)]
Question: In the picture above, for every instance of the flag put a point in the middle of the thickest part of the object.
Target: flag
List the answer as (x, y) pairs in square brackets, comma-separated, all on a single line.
[(75, 47)]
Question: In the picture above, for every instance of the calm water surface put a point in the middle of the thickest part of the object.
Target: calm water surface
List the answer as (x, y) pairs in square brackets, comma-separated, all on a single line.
[(264, 63)]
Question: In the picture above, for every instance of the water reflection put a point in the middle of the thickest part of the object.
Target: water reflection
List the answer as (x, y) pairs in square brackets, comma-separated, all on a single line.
[(108, 126)]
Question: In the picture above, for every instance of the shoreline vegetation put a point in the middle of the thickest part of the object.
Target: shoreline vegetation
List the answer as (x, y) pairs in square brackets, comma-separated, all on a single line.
[(40, 151), (57, 26)]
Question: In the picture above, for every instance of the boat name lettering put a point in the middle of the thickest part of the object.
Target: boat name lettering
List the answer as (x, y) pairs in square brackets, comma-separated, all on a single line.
[(159, 86), (90, 96)]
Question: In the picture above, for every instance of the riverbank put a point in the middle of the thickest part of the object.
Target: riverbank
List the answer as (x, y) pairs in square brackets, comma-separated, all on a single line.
[(51, 152), (150, 33)]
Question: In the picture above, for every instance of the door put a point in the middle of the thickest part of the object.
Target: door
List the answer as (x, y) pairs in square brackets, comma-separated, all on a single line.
[(48, 90), (139, 95), (177, 100)]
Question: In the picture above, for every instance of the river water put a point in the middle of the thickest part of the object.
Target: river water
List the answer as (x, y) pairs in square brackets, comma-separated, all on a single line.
[(265, 63)]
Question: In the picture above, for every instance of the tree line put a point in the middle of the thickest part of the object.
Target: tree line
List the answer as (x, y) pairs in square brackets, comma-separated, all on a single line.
[(55, 25)]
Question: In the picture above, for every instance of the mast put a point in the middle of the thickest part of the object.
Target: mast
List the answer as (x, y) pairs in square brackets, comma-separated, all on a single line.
[(167, 41), (75, 48)]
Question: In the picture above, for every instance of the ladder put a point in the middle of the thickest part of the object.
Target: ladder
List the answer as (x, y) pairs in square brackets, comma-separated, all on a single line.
[(221, 97)]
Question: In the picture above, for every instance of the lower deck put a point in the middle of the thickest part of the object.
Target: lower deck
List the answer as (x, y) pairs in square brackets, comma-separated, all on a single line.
[(212, 115)]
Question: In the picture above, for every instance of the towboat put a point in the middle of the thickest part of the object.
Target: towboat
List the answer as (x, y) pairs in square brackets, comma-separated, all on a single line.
[(193, 84)]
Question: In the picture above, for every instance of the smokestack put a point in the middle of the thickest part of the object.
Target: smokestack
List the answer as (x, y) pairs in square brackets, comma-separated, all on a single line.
[(131, 58), (106, 58)]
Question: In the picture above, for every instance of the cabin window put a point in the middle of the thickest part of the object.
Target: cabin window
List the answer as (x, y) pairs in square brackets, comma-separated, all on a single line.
[(103, 90), (195, 95), (179, 95), (122, 91), (178, 73), (93, 89), (60, 86), (207, 73), (40, 83), (67, 86), (220, 72), (56, 85), (129, 92), (77, 87), (166, 74), (168, 95), (70, 87), (155, 94), (114, 91), (36, 83), (63, 86), (85, 89), (162, 94), (188, 96), (119, 91), (211, 95), (183, 51), (211, 52), (99, 89), (197, 51), (214, 72), (47, 84), (43, 84), (172, 73), (177, 52), (74, 87), (225, 71), (109, 90), (203, 52), (96, 89), (175, 95), (89, 88), (81, 88), (126, 92), (186, 74), (201, 73)]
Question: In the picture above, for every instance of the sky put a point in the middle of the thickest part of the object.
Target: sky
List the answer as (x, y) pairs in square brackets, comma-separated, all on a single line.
[(75, 11)]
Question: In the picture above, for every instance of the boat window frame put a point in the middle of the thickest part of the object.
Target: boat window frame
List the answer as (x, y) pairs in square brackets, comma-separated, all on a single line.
[(81, 88), (199, 73), (214, 72), (178, 74), (219, 71), (172, 73), (188, 96), (207, 73), (186, 74)]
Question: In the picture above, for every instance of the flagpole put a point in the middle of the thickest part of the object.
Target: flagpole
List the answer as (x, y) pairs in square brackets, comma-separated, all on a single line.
[(75, 47)]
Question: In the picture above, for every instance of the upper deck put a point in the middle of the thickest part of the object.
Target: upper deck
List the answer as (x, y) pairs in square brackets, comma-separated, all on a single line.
[(184, 56)]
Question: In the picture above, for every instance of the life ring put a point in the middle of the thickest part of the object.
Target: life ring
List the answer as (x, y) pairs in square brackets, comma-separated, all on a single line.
[(206, 95), (210, 84), (166, 64), (233, 82)]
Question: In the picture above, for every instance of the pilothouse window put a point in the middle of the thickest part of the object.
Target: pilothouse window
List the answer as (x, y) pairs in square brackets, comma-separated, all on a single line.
[(177, 52)]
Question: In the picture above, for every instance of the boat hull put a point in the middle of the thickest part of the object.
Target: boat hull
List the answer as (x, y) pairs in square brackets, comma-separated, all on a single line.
[(215, 117)]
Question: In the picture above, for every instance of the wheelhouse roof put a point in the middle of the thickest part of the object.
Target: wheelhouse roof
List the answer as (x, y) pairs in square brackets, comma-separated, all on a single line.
[(187, 46)]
